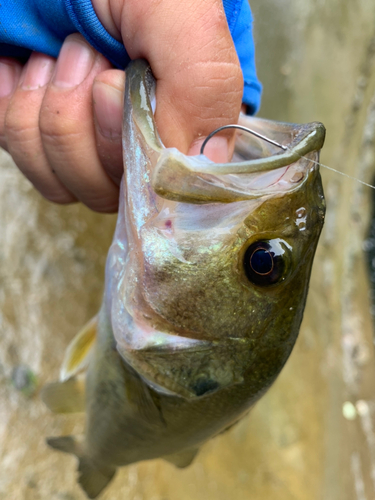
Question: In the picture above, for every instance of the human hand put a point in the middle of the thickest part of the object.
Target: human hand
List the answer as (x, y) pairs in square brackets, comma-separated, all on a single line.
[(61, 121)]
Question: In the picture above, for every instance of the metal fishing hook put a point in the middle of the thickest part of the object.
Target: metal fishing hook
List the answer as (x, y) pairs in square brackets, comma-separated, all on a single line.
[(250, 131), (244, 129)]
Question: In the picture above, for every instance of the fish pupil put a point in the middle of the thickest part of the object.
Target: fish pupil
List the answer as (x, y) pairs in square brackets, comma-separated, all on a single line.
[(261, 261), (266, 262)]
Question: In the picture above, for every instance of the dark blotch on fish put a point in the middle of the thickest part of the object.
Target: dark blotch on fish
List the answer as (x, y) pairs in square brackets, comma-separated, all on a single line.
[(204, 385)]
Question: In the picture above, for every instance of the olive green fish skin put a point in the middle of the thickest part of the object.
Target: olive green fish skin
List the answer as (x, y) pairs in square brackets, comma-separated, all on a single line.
[(187, 338), (140, 423)]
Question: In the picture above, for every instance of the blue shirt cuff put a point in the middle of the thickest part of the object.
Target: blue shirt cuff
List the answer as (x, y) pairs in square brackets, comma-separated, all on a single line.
[(42, 25)]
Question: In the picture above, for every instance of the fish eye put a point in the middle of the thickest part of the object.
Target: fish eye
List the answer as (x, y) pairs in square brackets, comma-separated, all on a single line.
[(265, 262)]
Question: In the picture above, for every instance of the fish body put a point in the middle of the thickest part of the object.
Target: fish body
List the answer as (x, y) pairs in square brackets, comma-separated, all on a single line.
[(206, 283)]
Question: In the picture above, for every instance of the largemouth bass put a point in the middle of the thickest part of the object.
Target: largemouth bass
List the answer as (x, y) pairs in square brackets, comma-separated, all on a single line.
[(206, 283)]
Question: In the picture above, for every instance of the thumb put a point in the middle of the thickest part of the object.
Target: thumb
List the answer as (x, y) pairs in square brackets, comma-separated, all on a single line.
[(193, 58)]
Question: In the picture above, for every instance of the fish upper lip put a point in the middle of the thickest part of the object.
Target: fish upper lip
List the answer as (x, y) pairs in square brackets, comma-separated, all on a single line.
[(309, 137)]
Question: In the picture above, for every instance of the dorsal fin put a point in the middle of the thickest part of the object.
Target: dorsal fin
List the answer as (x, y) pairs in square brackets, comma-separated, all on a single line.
[(78, 352)]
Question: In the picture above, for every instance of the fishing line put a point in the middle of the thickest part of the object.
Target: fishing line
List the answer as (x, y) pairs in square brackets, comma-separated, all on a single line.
[(338, 172), (260, 136)]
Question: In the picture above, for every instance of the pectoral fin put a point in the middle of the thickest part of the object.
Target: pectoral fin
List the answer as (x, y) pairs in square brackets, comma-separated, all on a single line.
[(182, 459), (65, 397), (140, 398), (78, 352), (68, 396)]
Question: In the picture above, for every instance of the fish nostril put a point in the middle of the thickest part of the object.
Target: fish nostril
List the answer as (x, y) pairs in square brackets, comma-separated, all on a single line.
[(301, 212)]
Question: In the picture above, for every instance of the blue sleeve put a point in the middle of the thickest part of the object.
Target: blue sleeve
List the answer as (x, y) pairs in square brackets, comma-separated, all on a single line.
[(42, 25), (240, 24)]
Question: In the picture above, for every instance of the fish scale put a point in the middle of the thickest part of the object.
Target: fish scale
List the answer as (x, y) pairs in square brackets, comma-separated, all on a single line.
[(192, 331)]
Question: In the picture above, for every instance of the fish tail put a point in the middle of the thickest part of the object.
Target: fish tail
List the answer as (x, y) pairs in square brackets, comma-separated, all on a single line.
[(93, 478)]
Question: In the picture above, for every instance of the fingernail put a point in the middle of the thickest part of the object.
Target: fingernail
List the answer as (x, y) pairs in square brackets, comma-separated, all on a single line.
[(216, 149), (108, 104), (73, 64), (38, 72), (8, 79)]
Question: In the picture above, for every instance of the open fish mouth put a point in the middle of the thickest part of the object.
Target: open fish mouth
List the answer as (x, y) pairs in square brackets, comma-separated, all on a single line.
[(275, 168), (197, 180), (174, 210), (257, 168)]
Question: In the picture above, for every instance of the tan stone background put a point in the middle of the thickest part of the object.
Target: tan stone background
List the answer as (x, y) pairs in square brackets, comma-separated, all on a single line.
[(316, 59)]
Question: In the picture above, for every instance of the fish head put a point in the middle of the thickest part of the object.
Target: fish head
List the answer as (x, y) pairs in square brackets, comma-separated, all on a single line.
[(217, 271), (212, 279)]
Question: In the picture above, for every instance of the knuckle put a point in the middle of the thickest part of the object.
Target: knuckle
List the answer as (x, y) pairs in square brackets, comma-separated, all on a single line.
[(56, 126), (58, 196), (103, 201), (105, 206), (22, 143), (64, 135), (217, 99), (19, 129)]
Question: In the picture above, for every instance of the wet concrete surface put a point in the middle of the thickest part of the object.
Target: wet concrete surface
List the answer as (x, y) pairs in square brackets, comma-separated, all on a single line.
[(313, 435)]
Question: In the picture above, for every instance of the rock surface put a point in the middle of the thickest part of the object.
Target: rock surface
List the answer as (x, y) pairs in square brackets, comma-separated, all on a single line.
[(313, 435)]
